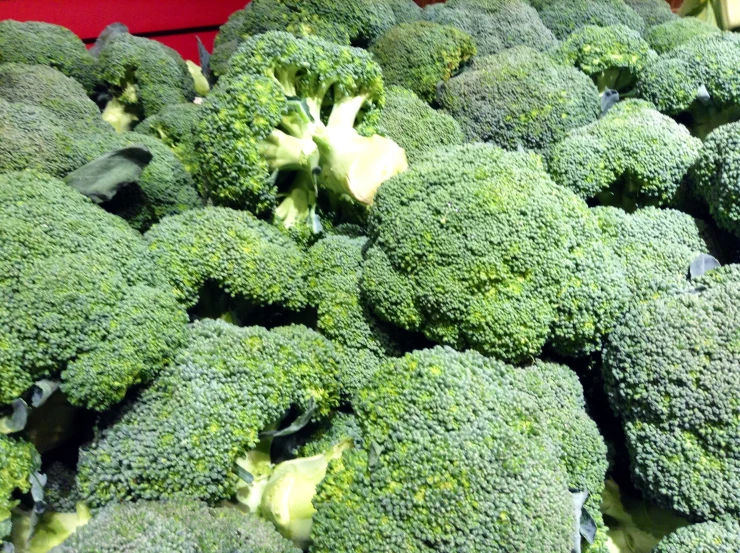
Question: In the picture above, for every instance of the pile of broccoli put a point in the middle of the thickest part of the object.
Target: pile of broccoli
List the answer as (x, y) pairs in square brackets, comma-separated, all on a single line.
[(373, 278)]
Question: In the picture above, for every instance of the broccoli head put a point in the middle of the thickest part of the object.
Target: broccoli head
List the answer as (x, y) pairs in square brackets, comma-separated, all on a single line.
[(632, 157), (279, 127), (665, 37), (708, 537), (671, 370), (565, 17), (37, 43), (697, 82), (477, 248), (20, 462), (420, 55), (653, 12), (520, 99)]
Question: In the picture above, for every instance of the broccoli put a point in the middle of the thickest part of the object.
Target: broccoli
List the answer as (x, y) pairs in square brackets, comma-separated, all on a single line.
[(708, 537), (671, 372), (520, 98), (264, 138), (60, 491), (183, 435), (494, 25), (612, 56), (144, 76), (83, 303), (667, 36), (38, 43), (715, 178), (632, 157), (653, 12), (20, 462), (493, 448), (698, 82), (565, 17), (420, 55), (477, 248), (180, 525)]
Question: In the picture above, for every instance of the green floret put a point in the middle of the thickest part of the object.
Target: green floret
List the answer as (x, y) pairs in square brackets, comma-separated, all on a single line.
[(653, 12), (492, 448), (185, 432), (143, 75), (420, 55), (612, 56), (565, 17), (20, 462), (671, 369), (38, 43), (697, 83), (715, 178), (415, 126), (667, 36), (182, 526), (280, 126), (520, 99), (632, 157), (477, 248), (708, 537), (494, 25)]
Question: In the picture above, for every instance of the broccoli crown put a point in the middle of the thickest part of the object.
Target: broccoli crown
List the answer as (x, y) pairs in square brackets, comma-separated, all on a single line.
[(81, 300), (179, 525), (494, 26), (671, 371), (698, 82), (477, 248), (184, 433), (20, 462), (421, 54), (708, 537), (444, 428), (656, 247), (715, 177), (144, 75), (632, 157), (653, 12), (37, 43), (565, 17), (665, 37), (520, 98), (612, 56)]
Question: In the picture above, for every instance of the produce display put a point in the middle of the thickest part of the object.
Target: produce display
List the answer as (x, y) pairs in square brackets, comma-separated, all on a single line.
[(373, 278)]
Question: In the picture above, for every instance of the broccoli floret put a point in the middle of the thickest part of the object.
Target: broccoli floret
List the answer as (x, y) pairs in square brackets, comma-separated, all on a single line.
[(565, 17), (474, 438), (667, 36), (653, 12), (494, 25), (520, 98), (671, 370), (264, 135), (612, 56), (477, 248), (708, 537), (20, 462), (143, 75), (184, 433), (698, 82), (60, 491), (168, 526), (632, 157), (38, 43), (83, 302), (715, 178), (420, 55)]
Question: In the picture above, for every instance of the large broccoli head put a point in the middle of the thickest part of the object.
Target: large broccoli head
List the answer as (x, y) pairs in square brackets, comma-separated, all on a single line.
[(671, 34), (708, 537), (653, 12), (477, 248), (565, 17), (632, 157), (520, 99)]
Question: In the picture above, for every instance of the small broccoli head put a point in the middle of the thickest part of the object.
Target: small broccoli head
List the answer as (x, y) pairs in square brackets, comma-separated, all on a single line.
[(669, 35), (565, 17), (20, 462), (36, 43), (420, 55), (520, 99), (632, 157), (708, 537), (653, 12)]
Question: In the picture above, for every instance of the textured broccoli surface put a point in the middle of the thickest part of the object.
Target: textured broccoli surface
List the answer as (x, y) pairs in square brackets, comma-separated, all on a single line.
[(20, 462), (60, 490), (565, 17), (420, 55), (671, 34), (181, 525), (477, 248), (37, 43), (183, 434), (708, 537), (633, 156), (671, 372), (520, 98), (653, 12)]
